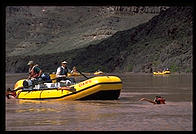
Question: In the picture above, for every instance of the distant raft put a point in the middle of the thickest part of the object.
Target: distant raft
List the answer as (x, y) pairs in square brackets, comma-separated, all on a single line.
[(96, 88), (162, 73), (98, 72)]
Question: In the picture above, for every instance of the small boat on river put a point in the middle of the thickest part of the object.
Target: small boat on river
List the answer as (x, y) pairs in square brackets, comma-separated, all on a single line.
[(162, 73), (95, 88), (98, 72)]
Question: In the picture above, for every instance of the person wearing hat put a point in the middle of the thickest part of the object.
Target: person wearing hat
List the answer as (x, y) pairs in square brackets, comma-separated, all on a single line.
[(34, 70), (62, 71)]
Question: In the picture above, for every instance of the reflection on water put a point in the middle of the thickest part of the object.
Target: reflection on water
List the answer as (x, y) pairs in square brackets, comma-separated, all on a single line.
[(127, 113)]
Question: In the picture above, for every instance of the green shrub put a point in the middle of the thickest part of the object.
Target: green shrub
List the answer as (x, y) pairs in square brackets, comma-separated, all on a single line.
[(130, 68), (188, 70), (156, 63), (174, 68)]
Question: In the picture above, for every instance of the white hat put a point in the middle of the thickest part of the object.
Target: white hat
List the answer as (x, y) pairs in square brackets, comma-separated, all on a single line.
[(64, 62), (30, 62)]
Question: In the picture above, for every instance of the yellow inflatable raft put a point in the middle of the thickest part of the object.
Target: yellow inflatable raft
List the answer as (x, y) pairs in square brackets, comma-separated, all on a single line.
[(98, 73), (166, 72), (96, 88), (73, 74), (161, 73)]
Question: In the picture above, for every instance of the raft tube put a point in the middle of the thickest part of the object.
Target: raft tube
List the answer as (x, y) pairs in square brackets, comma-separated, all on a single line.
[(161, 73), (96, 88)]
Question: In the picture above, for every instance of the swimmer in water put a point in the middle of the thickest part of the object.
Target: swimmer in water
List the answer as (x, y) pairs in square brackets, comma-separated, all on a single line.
[(157, 100), (10, 94)]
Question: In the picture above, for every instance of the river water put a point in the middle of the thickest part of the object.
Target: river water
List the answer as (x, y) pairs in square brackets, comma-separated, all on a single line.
[(125, 114)]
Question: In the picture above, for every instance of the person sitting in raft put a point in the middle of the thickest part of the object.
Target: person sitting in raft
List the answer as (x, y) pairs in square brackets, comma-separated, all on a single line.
[(61, 73), (74, 70), (34, 70), (157, 100)]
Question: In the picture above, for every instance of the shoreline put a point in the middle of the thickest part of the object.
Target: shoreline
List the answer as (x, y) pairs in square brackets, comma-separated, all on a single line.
[(121, 73), (142, 73)]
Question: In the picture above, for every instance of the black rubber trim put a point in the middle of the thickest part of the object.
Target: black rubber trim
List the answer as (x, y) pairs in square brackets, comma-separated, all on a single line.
[(103, 95)]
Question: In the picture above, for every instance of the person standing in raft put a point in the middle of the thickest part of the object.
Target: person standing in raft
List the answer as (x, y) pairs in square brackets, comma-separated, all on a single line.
[(61, 73), (34, 71), (157, 100)]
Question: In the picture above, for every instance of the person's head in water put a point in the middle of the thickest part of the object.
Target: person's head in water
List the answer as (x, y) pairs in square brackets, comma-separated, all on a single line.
[(10, 94), (159, 100)]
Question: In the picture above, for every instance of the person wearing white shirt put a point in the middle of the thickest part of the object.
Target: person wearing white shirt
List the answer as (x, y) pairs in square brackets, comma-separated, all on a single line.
[(62, 71)]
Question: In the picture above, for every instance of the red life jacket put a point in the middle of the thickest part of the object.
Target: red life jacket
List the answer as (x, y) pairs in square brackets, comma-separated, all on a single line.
[(160, 100), (33, 72), (11, 94)]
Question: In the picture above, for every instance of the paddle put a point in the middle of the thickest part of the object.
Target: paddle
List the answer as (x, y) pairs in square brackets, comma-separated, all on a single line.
[(71, 89), (82, 74)]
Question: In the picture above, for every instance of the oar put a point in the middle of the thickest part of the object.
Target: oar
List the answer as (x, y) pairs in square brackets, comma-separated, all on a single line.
[(82, 74), (71, 89)]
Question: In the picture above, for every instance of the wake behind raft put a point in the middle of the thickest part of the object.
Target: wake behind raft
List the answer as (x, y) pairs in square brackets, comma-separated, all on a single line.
[(96, 88)]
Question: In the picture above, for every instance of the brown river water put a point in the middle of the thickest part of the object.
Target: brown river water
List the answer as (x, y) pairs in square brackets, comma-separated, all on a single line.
[(125, 114)]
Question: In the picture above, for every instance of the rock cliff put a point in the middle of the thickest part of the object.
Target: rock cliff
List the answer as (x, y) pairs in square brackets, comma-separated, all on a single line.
[(163, 41)]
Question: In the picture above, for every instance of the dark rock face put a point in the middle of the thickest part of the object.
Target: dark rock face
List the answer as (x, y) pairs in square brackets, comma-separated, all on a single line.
[(32, 30), (164, 41)]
